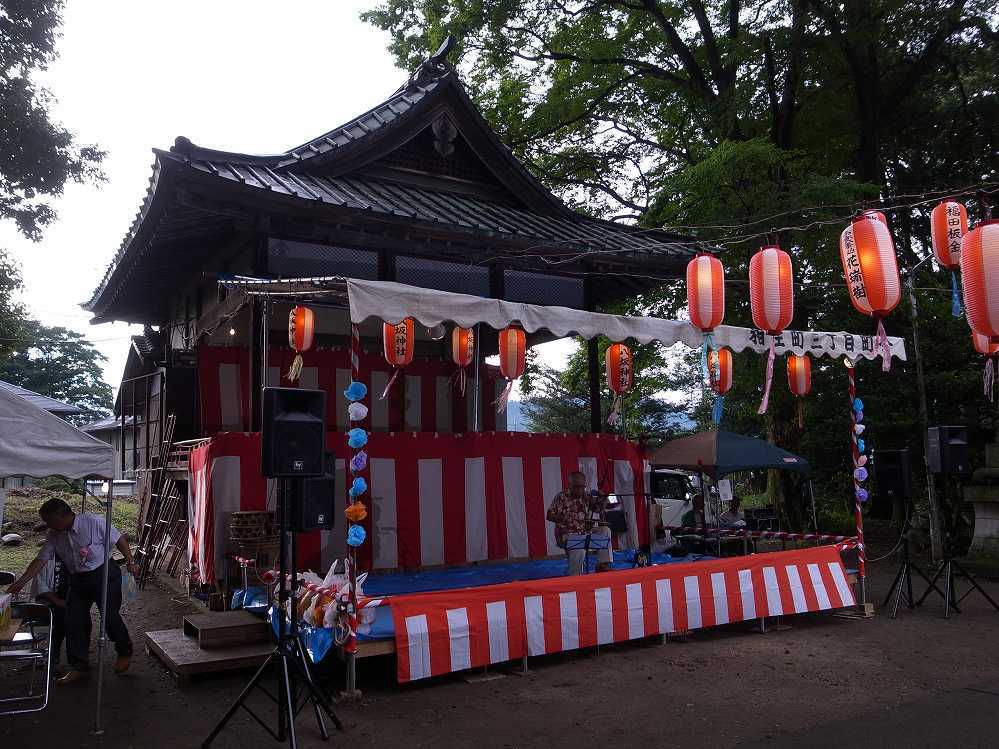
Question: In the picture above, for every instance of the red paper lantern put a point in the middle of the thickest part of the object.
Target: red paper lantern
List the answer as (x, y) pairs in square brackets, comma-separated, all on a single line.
[(771, 289), (877, 216), (706, 292), (512, 352), (619, 368), (399, 340), (948, 225), (720, 367), (462, 346), (799, 374), (870, 267), (980, 275), (301, 329), (983, 345)]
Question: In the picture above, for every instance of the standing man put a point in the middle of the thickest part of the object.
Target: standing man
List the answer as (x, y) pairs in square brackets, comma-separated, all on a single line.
[(79, 542), (575, 512)]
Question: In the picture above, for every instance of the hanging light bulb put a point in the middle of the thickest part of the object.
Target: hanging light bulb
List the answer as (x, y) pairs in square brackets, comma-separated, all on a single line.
[(232, 331)]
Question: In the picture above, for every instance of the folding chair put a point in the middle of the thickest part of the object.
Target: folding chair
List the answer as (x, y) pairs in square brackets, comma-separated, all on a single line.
[(29, 648)]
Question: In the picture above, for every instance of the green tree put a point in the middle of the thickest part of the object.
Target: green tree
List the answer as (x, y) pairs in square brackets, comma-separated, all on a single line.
[(733, 119), (11, 310), (61, 364), (37, 155), (558, 400)]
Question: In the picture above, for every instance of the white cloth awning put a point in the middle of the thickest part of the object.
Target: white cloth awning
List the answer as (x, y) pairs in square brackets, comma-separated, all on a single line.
[(35, 443), (393, 302)]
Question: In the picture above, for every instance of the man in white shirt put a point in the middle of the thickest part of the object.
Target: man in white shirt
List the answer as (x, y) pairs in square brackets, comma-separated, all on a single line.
[(79, 542), (732, 517)]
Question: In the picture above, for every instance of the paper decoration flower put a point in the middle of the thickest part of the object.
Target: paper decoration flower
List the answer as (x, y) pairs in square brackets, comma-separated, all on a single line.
[(358, 486), (859, 416), (357, 411), (861, 445), (355, 391), (862, 494), (859, 428), (359, 462), (862, 461), (356, 512), (860, 474), (357, 438), (356, 535), (858, 405)]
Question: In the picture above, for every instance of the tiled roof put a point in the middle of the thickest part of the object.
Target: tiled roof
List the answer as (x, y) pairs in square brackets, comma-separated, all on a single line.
[(440, 207)]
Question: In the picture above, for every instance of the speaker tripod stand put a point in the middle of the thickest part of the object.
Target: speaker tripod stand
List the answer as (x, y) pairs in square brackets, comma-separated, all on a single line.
[(949, 594), (901, 587), (289, 660)]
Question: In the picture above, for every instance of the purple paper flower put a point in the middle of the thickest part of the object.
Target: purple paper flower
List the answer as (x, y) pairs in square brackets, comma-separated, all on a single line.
[(359, 462)]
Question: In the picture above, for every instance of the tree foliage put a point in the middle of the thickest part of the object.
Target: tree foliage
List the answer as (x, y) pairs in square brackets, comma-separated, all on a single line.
[(747, 122), (52, 361), (37, 155)]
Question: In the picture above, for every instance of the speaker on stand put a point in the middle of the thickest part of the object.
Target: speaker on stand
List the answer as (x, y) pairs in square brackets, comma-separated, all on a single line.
[(292, 451)]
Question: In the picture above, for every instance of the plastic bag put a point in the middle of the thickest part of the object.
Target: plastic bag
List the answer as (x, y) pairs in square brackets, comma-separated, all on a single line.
[(129, 588)]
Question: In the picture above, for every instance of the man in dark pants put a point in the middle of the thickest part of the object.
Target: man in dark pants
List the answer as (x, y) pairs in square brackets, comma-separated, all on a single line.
[(79, 542)]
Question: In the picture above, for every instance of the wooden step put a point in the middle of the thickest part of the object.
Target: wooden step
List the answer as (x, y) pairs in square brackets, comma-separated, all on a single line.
[(184, 659), (225, 628)]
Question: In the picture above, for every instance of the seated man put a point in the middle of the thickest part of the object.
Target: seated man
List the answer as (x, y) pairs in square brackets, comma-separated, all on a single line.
[(51, 587), (573, 512), (732, 517)]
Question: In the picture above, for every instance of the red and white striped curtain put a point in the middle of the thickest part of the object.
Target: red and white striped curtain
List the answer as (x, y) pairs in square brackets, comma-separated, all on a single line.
[(424, 400), (435, 499)]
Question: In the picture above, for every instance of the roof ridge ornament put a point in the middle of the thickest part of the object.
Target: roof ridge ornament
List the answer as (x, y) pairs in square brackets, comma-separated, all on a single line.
[(434, 66)]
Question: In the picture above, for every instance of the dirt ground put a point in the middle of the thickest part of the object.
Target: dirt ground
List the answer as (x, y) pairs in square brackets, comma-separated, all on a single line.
[(808, 685)]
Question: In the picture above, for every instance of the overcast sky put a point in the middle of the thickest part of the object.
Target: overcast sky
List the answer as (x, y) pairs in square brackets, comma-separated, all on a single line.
[(251, 76)]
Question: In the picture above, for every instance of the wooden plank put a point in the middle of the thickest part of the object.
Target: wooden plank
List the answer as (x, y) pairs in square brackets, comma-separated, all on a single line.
[(184, 658), (372, 648), (224, 628)]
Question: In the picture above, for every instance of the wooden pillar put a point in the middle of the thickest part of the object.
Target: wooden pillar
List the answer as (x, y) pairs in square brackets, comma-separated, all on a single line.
[(592, 364), (256, 341)]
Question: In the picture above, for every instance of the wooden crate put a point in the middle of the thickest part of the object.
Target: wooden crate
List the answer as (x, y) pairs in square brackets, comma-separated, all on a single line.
[(222, 629)]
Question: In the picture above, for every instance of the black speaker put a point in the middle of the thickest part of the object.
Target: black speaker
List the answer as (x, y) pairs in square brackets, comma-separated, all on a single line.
[(315, 506), (947, 450), (894, 479), (293, 433)]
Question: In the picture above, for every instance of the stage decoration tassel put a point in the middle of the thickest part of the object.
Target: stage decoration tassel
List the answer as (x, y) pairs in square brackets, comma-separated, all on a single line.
[(356, 535), (871, 271), (720, 379), (799, 382), (980, 277), (398, 341), (620, 365), (705, 301), (359, 461), (771, 297), (356, 512), (357, 438), (462, 353), (301, 329), (989, 350), (948, 225), (355, 391), (513, 359)]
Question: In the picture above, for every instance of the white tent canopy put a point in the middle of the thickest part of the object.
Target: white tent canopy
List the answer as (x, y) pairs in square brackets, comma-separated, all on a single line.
[(393, 302), (35, 443)]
